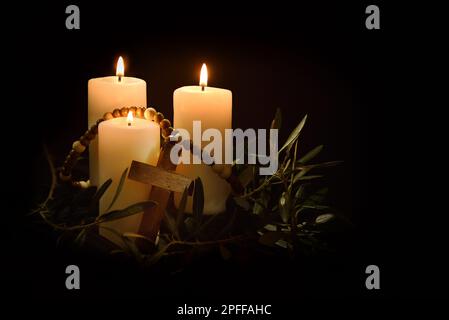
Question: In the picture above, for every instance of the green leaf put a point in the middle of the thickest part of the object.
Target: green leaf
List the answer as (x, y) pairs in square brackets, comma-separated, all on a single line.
[(129, 211), (284, 207), (242, 203), (198, 200), (258, 208), (261, 204), (137, 236), (286, 165), (132, 248), (100, 192), (311, 154), (315, 206), (315, 199), (295, 134), (310, 177), (190, 225), (119, 189), (247, 175), (299, 193), (81, 237), (171, 225), (181, 209), (277, 121), (300, 174), (320, 165)]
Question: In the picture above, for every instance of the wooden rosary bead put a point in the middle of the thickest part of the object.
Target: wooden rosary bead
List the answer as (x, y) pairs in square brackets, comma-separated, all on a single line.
[(226, 173), (139, 113), (133, 110), (165, 123), (89, 135), (81, 184), (73, 153), (159, 117), (78, 147), (165, 136), (150, 114), (108, 116), (70, 162), (116, 113), (93, 130), (66, 167), (64, 177), (124, 111), (166, 133), (84, 141)]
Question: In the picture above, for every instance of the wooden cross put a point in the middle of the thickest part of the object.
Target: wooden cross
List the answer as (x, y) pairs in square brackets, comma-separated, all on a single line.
[(163, 180)]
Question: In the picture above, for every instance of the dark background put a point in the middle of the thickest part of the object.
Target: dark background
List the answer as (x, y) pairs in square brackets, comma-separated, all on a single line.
[(316, 59)]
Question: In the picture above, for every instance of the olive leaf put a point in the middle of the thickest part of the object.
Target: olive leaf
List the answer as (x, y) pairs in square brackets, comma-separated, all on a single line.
[(243, 203), (136, 236), (128, 211), (119, 189), (299, 193), (309, 177), (295, 134), (168, 219), (277, 121), (81, 237), (181, 209), (317, 197), (132, 248), (100, 192), (311, 154), (299, 175), (284, 207), (260, 205), (247, 175)]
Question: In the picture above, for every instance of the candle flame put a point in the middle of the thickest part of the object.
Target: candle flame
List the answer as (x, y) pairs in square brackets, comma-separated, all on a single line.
[(203, 76), (120, 71), (130, 118)]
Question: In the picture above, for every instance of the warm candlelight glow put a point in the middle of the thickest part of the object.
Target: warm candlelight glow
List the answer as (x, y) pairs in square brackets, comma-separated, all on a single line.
[(120, 71), (130, 118), (203, 76)]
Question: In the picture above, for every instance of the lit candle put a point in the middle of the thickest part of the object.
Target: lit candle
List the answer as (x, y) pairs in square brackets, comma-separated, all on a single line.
[(122, 140), (213, 107), (104, 95)]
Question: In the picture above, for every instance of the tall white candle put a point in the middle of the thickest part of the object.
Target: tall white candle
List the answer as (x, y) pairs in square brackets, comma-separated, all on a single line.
[(213, 107), (104, 95), (119, 144)]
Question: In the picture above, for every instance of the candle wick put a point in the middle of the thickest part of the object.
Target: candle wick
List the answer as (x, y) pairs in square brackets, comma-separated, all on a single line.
[(119, 78), (129, 124), (202, 87)]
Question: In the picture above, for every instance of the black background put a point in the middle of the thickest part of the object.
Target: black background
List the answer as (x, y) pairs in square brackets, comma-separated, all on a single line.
[(316, 59)]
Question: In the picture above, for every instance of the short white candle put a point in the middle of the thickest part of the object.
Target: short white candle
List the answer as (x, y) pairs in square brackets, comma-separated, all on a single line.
[(106, 94), (119, 144), (213, 107)]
